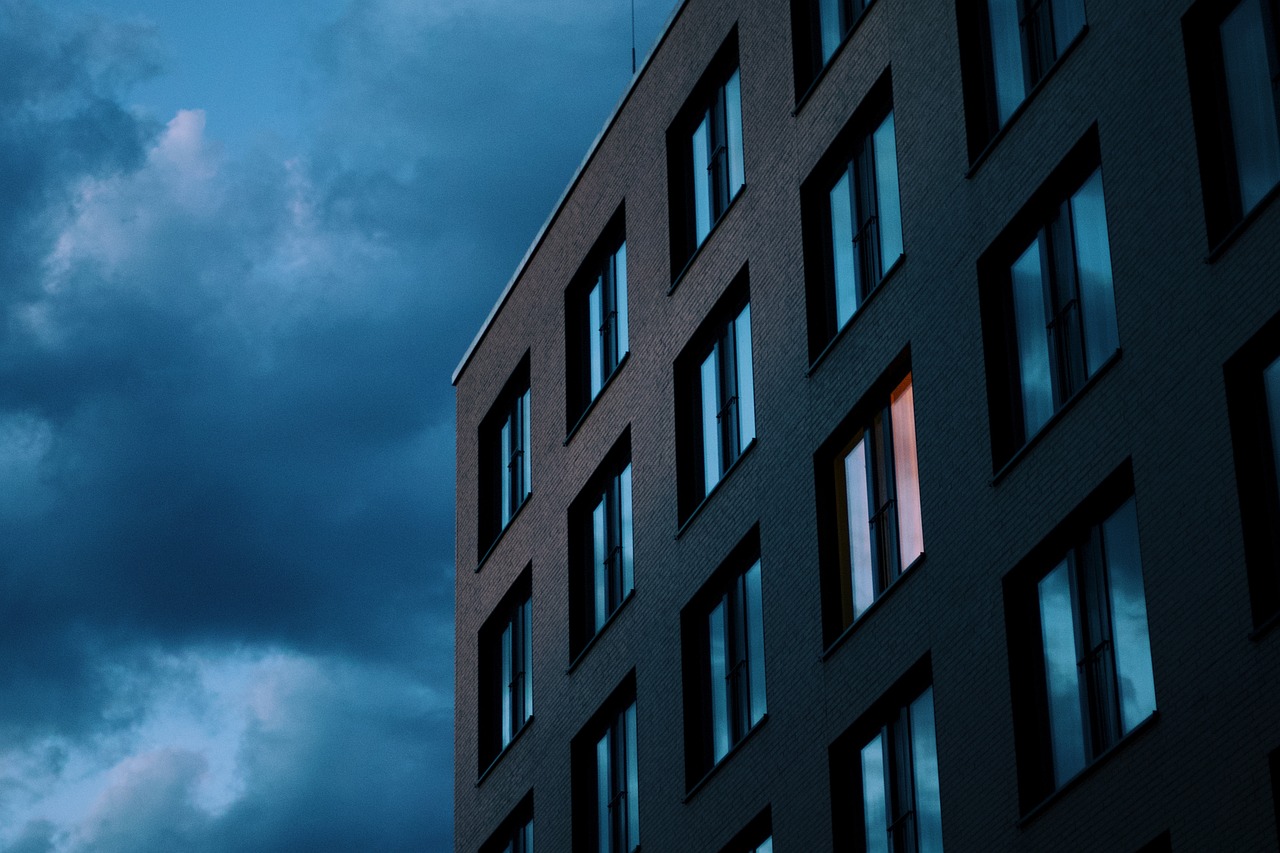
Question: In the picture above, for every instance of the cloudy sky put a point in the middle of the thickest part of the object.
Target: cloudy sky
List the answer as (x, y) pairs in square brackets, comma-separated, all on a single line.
[(243, 245)]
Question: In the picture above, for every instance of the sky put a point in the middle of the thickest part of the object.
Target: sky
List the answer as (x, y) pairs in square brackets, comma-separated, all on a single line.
[(242, 247)]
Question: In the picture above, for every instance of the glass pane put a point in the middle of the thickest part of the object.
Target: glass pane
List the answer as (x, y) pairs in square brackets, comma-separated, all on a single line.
[(1271, 381), (712, 452), (628, 559), (596, 354), (633, 784), (1068, 20), (844, 262), (1033, 340), (1251, 102), (1058, 634), (505, 464), (528, 837), (875, 809), (1093, 268), (829, 26), (603, 794), (620, 277), (526, 479), (701, 183), (859, 522), (1129, 616), (906, 474), (884, 141), (766, 846), (506, 684), (526, 657), (924, 752), (599, 571), (1006, 56), (755, 642), (733, 122), (720, 739), (746, 387)]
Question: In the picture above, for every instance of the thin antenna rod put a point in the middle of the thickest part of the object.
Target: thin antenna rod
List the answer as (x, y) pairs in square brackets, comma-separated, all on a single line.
[(633, 37)]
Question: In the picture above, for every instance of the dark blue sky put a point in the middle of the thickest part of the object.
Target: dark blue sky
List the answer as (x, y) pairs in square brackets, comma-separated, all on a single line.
[(242, 246)]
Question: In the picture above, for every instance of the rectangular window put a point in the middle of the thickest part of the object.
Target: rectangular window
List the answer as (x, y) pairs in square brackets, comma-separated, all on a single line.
[(724, 660), (1252, 378), (704, 155), (1233, 59), (506, 671), (852, 217), (602, 562), (606, 777), (1008, 46), (596, 306), (505, 467), (716, 397), (872, 520), (1079, 645), (820, 27), (1048, 303), (515, 835)]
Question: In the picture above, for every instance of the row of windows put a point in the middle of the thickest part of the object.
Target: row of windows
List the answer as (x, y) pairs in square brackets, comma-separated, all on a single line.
[(1080, 673)]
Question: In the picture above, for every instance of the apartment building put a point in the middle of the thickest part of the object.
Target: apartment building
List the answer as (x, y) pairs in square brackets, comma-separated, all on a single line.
[(877, 448)]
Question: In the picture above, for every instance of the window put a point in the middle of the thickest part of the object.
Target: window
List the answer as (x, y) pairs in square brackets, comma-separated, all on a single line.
[(724, 660), (505, 470), (820, 27), (515, 835), (757, 837), (506, 671), (601, 561), (1079, 648), (704, 155), (869, 501), (597, 310), (1008, 46), (1252, 379), (853, 218), (716, 398), (1048, 305), (606, 777), (884, 773), (1233, 58)]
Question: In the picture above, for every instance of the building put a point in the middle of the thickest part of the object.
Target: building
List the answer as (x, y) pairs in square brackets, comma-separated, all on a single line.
[(877, 449)]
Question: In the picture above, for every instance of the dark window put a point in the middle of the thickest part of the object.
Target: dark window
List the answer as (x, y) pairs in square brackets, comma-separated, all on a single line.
[(704, 155), (504, 457), (606, 789), (757, 837), (1048, 304), (506, 671), (1162, 843), (723, 630), (853, 218), (601, 559), (1233, 58), (820, 27), (715, 398), (869, 501), (515, 835), (597, 319), (1080, 653), (1007, 46), (884, 773), (1253, 396)]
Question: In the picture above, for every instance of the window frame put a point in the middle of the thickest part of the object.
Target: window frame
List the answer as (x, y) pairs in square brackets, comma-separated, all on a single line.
[(808, 30), (851, 156), (605, 269), (618, 711), (709, 103), (515, 833), (505, 711), (1045, 221), (510, 415)]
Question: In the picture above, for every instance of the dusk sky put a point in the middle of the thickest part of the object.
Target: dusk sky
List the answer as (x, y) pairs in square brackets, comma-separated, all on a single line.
[(243, 245)]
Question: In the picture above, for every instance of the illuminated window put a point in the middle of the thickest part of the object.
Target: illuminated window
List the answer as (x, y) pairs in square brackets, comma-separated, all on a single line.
[(506, 671), (505, 466), (597, 324)]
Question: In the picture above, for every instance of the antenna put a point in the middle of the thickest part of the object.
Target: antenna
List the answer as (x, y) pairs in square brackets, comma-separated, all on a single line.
[(633, 38)]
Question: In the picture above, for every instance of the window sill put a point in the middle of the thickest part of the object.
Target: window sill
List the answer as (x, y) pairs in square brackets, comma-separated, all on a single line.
[(497, 758), (1240, 227), (839, 335), (733, 750), (684, 525), (1022, 107), (502, 533), (1088, 770), (573, 430), (1058, 415), (697, 252), (589, 644), (863, 617), (835, 55)]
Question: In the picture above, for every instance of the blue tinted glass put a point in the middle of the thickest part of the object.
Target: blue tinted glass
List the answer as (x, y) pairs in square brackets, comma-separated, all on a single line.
[(733, 122), (604, 773), (712, 453), (1251, 102), (620, 276), (507, 673), (1271, 381), (628, 558), (633, 785), (720, 739), (755, 642), (830, 26), (1006, 56), (1093, 266), (701, 183), (594, 321), (861, 568), (890, 213), (844, 261), (599, 571), (924, 754), (1068, 20), (1058, 634), (1129, 617), (526, 479), (875, 808), (1033, 340), (746, 386)]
